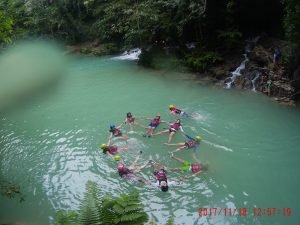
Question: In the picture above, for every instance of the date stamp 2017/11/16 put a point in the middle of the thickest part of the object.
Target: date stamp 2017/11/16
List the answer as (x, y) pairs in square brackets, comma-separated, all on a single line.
[(244, 211)]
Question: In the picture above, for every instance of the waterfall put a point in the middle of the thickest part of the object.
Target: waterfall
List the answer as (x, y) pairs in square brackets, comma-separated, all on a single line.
[(132, 54), (237, 72), (248, 49), (254, 80)]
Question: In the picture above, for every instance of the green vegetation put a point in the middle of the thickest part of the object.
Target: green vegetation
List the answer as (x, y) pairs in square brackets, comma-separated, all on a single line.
[(97, 209), (218, 25)]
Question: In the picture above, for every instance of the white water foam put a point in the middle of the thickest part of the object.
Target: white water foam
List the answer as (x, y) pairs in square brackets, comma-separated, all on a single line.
[(254, 81), (219, 146), (132, 54), (237, 72)]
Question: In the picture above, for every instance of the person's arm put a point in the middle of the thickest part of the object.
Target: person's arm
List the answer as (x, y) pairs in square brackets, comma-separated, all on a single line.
[(181, 129), (174, 169), (111, 156), (110, 135), (119, 127), (189, 137), (109, 140), (162, 121), (188, 177), (145, 118)]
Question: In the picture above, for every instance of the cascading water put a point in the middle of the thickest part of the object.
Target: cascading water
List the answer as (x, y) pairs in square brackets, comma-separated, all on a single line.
[(248, 49), (257, 75), (237, 72), (132, 54)]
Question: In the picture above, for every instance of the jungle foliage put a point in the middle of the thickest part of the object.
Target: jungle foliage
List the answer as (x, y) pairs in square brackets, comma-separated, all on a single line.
[(218, 25)]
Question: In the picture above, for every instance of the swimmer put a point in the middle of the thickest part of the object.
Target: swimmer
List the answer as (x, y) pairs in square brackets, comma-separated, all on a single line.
[(196, 168), (112, 150), (191, 143), (177, 112), (116, 132), (160, 174), (130, 120), (174, 127), (153, 125), (130, 172)]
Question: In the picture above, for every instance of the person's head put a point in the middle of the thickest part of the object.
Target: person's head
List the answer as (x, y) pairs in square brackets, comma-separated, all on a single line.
[(129, 114), (204, 166), (117, 158), (112, 126), (104, 146), (157, 116), (198, 138), (164, 186), (171, 107), (120, 166)]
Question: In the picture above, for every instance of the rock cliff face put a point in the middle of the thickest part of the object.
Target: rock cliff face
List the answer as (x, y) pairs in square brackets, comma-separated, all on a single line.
[(261, 72)]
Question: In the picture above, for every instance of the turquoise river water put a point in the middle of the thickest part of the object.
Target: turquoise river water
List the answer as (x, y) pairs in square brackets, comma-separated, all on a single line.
[(50, 147)]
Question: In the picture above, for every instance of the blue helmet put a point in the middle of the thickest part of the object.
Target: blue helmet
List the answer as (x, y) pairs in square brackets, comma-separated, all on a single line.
[(112, 126)]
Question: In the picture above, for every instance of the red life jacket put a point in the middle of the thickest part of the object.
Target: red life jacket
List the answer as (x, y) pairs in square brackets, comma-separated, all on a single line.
[(155, 121), (196, 167), (191, 143), (177, 111), (161, 175), (130, 119), (112, 149), (116, 132), (123, 171), (175, 126)]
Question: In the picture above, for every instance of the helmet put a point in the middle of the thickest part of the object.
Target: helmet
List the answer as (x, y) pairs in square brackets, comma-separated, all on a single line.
[(112, 126), (171, 106), (117, 158), (129, 114), (157, 115), (120, 166), (198, 138), (103, 146)]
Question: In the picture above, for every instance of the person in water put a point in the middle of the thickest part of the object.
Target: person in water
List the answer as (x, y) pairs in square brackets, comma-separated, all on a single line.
[(116, 132), (130, 120), (112, 150), (190, 143), (130, 172), (196, 168), (174, 127), (269, 86), (177, 112), (153, 125), (161, 178)]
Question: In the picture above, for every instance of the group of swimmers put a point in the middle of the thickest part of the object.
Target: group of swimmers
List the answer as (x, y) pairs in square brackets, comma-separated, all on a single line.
[(159, 171)]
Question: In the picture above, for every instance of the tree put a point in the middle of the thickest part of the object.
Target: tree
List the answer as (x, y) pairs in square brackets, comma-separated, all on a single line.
[(6, 25)]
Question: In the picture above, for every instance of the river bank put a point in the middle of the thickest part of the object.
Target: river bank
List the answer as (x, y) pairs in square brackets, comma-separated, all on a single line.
[(259, 72)]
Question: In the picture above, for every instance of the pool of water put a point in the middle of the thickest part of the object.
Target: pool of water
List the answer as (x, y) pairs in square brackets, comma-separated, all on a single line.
[(50, 146)]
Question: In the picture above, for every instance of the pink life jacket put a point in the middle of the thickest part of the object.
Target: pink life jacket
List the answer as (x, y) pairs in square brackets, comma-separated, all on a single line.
[(191, 143), (196, 167), (112, 149), (161, 175), (175, 126), (155, 121), (123, 170)]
